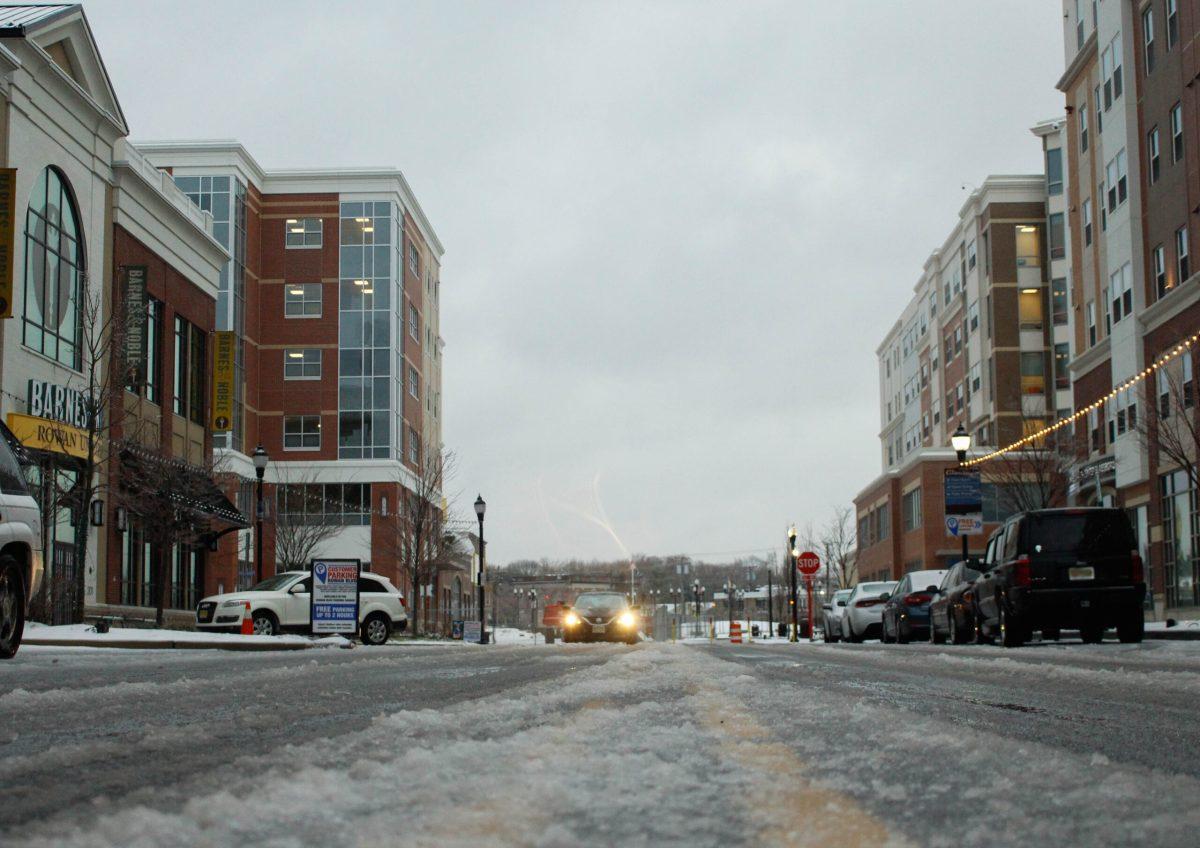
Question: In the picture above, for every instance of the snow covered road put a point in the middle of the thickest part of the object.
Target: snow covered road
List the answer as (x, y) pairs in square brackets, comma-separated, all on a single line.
[(602, 745)]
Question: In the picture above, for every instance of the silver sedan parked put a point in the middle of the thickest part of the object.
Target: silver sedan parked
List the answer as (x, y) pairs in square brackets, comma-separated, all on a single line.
[(863, 618)]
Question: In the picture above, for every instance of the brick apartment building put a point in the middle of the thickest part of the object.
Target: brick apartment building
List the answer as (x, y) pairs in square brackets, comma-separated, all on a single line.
[(332, 291), (1132, 145), (978, 345)]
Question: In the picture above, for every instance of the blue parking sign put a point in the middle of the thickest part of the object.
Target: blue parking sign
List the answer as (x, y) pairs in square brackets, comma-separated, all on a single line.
[(334, 597)]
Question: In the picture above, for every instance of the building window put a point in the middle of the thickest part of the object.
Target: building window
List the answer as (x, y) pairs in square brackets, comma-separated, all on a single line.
[(369, 376), (1033, 373), (1091, 323), (973, 317), (1152, 155), (1189, 395), (1029, 247), (414, 323), (1182, 266), (302, 300), (302, 432), (1029, 309), (1059, 307), (1117, 175), (1054, 172), (1120, 286), (974, 375), (911, 507), (1087, 222), (1161, 284), (1083, 128), (1099, 112), (54, 268), (1079, 34), (414, 259), (959, 398), (1172, 23), (190, 371), (414, 383), (1148, 38), (958, 339), (302, 363), (414, 447), (1176, 133), (303, 232), (1062, 358), (1057, 236), (329, 503), (971, 259)]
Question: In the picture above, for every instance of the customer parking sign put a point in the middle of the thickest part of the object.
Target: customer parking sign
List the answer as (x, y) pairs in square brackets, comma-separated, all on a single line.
[(334, 595)]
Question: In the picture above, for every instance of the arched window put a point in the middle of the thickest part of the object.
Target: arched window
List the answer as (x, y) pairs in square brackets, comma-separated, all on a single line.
[(54, 266)]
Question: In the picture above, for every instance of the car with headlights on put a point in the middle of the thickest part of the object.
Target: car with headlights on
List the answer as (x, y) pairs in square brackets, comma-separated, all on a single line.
[(864, 611), (601, 617), (831, 620), (906, 610), (952, 610), (282, 603)]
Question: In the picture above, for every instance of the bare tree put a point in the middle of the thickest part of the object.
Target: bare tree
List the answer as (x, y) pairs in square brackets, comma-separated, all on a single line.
[(1167, 427), (419, 539), (1035, 476), (300, 526), (837, 545), (166, 497), (95, 412)]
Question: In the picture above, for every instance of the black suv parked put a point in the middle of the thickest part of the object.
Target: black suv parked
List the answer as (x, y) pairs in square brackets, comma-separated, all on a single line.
[(1055, 569)]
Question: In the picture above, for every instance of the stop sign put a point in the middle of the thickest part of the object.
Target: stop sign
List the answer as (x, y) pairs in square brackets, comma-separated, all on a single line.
[(808, 563)]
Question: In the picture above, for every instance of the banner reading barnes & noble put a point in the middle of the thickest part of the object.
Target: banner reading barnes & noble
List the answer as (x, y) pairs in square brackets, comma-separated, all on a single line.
[(8, 225), (135, 323), (222, 381)]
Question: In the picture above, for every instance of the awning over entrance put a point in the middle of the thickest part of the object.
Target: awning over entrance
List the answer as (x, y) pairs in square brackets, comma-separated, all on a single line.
[(187, 486)]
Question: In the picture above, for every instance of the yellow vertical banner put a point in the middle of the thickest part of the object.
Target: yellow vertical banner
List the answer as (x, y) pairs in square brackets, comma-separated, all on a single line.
[(222, 381), (8, 228)]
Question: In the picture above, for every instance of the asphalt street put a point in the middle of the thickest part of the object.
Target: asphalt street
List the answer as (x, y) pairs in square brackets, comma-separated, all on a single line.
[(559, 745)]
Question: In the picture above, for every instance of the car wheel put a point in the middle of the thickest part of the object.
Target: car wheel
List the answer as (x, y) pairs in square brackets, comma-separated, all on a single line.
[(12, 607), (1132, 629), (851, 636), (265, 623), (1010, 629), (1092, 634), (376, 629), (935, 638), (902, 636)]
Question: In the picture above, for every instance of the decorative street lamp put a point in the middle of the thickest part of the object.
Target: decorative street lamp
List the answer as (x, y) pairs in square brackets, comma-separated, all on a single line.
[(480, 507), (795, 554), (260, 468), (960, 440)]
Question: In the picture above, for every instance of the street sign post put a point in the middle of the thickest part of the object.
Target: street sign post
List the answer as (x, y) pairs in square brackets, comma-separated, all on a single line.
[(333, 602), (809, 564), (962, 491)]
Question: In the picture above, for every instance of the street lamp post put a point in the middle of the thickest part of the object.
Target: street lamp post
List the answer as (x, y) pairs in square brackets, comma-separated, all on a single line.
[(260, 468), (792, 554), (729, 601), (770, 604), (480, 507), (961, 441)]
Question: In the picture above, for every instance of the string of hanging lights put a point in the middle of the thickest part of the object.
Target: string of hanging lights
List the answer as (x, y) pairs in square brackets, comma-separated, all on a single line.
[(1032, 438)]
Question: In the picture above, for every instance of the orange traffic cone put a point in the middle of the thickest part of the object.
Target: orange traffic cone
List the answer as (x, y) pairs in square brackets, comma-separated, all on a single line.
[(247, 621)]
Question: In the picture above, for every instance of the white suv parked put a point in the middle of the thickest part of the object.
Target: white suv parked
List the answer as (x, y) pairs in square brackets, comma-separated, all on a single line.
[(281, 603), (20, 545)]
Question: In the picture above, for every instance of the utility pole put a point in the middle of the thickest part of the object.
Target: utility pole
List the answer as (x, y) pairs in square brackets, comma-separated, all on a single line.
[(770, 606), (792, 553)]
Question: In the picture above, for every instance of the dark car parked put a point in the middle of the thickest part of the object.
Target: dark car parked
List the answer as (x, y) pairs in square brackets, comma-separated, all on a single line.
[(1062, 569), (952, 610), (906, 610)]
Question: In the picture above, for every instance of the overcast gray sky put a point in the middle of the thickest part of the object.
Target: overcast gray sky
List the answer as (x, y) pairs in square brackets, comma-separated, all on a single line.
[(675, 232)]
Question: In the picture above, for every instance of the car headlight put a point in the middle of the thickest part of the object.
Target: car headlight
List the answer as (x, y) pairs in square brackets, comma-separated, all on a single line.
[(571, 619), (226, 604), (627, 619)]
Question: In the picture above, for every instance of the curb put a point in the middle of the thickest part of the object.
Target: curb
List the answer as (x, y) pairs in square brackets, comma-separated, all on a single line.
[(1174, 634), (164, 645)]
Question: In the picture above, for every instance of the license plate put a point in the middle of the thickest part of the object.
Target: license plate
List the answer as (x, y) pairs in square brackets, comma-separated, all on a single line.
[(597, 628), (205, 615), (1081, 572)]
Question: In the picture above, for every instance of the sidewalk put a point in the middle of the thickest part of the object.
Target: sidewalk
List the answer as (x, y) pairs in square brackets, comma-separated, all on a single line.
[(1181, 630), (85, 636)]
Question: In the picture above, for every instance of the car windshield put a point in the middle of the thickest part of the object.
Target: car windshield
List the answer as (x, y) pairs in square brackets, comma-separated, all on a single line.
[(842, 594), (600, 601), (1081, 534), (273, 584), (875, 588), (922, 580)]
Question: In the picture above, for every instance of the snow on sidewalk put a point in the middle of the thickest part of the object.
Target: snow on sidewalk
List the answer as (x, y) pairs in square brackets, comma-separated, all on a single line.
[(85, 635)]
